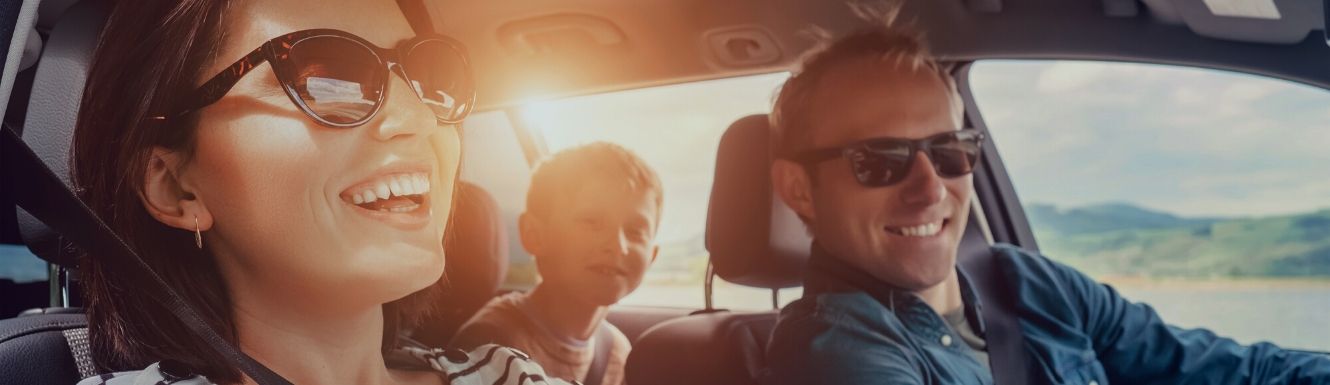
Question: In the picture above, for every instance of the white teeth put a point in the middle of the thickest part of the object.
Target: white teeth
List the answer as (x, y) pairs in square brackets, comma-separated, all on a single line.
[(925, 230), (419, 184), (409, 183), (391, 186)]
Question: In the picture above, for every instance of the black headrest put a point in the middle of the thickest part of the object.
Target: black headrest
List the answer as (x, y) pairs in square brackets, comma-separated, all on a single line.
[(477, 248), (477, 263), (754, 238), (57, 90)]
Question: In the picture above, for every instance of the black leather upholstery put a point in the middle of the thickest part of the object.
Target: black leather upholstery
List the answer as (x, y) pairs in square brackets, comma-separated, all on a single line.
[(57, 91), (722, 348), (754, 238), (477, 262), (34, 349)]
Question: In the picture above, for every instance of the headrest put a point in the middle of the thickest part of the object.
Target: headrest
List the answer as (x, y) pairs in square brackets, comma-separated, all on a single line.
[(476, 248), (754, 238), (57, 90)]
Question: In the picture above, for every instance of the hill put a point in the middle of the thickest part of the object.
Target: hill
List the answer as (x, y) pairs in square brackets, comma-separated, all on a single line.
[(1122, 239)]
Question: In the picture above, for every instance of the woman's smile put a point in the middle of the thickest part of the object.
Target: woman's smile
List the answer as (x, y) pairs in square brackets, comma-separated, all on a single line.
[(397, 194)]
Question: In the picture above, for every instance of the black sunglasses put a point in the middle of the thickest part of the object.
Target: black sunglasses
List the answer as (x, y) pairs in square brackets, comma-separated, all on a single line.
[(883, 162), (340, 79)]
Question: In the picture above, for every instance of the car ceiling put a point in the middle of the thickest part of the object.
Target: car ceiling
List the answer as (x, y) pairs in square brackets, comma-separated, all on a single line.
[(538, 49)]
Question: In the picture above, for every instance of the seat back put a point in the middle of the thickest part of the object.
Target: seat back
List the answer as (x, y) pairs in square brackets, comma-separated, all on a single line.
[(477, 262), (36, 349), (50, 346), (57, 92), (755, 240)]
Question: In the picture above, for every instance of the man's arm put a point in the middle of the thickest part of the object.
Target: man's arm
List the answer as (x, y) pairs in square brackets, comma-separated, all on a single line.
[(827, 348), (1137, 347)]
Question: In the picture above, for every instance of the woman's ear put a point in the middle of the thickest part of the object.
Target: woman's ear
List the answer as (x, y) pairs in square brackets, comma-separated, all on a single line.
[(531, 229), (794, 186), (167, 198)]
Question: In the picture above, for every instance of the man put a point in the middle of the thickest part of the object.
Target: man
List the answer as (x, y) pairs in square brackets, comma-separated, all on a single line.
[(872, 156)]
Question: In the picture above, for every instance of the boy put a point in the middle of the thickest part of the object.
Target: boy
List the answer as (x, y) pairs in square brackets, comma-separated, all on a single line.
[(590, 224)]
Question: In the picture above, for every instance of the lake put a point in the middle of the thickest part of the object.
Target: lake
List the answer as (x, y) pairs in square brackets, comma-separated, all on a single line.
[(1291, 314)]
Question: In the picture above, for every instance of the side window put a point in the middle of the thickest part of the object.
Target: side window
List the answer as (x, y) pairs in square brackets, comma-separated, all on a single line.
[(22, 280), (1202, 193), (492, 158), (676, 129)]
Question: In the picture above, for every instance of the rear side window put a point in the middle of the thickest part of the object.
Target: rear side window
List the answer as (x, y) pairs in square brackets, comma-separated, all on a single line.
[(492, 158), (1200, 192), (22, 280), (676, 129)]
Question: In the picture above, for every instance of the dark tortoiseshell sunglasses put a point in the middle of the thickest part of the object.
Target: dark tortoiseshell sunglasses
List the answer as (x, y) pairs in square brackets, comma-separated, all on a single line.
[(341, 80)]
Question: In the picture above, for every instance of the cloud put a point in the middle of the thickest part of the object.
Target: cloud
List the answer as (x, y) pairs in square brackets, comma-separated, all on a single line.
[(1069, 76), (1202, 142)]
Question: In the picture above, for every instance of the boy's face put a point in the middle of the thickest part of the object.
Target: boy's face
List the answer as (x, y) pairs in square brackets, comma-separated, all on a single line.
[(596, 242)]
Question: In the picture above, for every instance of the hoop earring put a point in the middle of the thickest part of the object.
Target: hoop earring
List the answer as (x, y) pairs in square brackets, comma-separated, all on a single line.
[(198, 235)]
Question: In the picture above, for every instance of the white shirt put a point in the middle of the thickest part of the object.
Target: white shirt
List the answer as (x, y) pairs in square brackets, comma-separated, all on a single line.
[(488, 364)]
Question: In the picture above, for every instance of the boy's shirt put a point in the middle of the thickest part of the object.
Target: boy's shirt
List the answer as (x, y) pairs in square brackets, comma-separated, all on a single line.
[(508, 321)]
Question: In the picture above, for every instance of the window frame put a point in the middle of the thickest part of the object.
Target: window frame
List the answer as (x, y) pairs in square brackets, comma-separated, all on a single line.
[(994, 189)]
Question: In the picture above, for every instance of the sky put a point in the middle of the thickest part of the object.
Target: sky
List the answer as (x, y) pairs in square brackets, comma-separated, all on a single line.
[(1188, 141), (1192, 142)]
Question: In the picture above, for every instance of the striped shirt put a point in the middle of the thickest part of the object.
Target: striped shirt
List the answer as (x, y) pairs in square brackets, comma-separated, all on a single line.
[(489, 364)]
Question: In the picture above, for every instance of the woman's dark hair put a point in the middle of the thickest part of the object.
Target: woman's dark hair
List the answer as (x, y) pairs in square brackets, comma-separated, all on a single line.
[(148, 57)]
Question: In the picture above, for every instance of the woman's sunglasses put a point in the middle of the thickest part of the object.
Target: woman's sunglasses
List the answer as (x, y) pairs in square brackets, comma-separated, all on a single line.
[(341, 80), (883, 162)]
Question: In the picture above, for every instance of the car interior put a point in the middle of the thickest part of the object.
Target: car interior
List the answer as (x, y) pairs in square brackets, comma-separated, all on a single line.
[(551, 49)]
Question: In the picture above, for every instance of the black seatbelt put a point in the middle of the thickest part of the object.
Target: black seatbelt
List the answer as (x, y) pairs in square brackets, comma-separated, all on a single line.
[(601, 358), (37, 190), (1002, 330)]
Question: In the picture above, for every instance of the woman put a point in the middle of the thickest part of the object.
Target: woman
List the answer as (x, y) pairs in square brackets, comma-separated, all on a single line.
[(286, 175)]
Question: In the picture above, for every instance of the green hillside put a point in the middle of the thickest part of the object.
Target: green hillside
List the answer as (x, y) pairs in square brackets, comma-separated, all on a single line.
[(1121, 239)]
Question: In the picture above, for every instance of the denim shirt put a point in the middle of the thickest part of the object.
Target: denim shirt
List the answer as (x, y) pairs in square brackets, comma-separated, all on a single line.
[(849, 328)]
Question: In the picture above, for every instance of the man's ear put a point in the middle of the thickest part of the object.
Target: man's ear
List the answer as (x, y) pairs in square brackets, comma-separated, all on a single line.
[(532, 231), (167, 198), (792, 183)]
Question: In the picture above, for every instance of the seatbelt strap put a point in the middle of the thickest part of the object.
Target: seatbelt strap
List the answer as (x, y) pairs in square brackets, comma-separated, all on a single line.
[(37, 190), (601, 360), (1002, 335), (81, 350), (417, 14)]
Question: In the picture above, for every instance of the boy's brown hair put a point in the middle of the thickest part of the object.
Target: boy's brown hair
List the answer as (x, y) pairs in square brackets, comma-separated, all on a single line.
[(558, 175)]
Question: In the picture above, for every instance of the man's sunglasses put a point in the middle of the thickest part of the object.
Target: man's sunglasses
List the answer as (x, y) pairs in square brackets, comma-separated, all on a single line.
[(341, 80), (883, 162)]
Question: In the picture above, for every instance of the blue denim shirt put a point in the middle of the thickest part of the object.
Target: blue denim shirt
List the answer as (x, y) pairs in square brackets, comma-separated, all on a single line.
[(852, 329)]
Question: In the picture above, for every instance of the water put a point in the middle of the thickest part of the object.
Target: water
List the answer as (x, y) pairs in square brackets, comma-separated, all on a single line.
[(1290, 315)]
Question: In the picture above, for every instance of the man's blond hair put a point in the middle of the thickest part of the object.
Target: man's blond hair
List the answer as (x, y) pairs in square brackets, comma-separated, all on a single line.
[(886, 40)]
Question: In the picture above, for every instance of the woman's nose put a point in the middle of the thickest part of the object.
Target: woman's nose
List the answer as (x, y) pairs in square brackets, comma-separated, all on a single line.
[(403, 113)]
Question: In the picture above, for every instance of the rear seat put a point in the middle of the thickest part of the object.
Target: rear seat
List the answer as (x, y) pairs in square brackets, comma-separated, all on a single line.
[(755, 241), (477, 253)]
